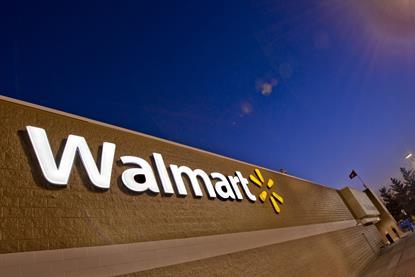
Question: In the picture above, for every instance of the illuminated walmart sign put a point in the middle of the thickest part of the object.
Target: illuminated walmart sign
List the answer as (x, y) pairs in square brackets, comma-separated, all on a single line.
[(224, 187)]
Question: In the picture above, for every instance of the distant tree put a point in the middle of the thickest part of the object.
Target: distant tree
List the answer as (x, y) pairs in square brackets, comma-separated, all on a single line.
[(400, 194), (390, 202), (409, 181)]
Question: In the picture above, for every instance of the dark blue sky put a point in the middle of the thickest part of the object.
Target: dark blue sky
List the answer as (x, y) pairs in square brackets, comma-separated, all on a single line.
[(314, 87)]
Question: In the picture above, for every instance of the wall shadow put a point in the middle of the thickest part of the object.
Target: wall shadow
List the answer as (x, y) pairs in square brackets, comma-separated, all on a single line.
[(158, 180), (35, 169)]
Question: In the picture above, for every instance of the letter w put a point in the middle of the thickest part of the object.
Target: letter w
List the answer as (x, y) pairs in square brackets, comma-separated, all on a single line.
[(60, 175)]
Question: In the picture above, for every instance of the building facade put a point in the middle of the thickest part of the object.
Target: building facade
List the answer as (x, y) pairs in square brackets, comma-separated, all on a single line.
[(84, 198)]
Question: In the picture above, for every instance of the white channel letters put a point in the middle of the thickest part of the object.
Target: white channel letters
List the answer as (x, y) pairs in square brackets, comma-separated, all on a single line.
[(60, 175), (223, 187)]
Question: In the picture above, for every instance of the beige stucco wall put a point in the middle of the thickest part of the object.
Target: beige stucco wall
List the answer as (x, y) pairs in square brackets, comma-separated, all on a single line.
[(387, 222), (358, 203), (34, 216), (341, 253)]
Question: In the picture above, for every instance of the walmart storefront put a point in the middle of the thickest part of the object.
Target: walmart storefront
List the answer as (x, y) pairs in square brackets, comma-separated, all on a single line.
[(83, 198)]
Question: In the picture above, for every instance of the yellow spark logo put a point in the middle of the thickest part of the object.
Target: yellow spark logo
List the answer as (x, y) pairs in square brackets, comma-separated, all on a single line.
[(274, 198)]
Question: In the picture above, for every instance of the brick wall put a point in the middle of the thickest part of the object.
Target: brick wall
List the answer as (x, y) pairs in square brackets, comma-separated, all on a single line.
[(36, 216)]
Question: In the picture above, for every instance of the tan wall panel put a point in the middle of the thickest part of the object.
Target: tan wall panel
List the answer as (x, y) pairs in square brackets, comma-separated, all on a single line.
[(340, 253), (387, 222), (115, 259), (35, 217)]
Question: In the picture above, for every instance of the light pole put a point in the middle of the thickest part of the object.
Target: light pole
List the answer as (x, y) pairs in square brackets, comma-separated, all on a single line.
[(411, 158)]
